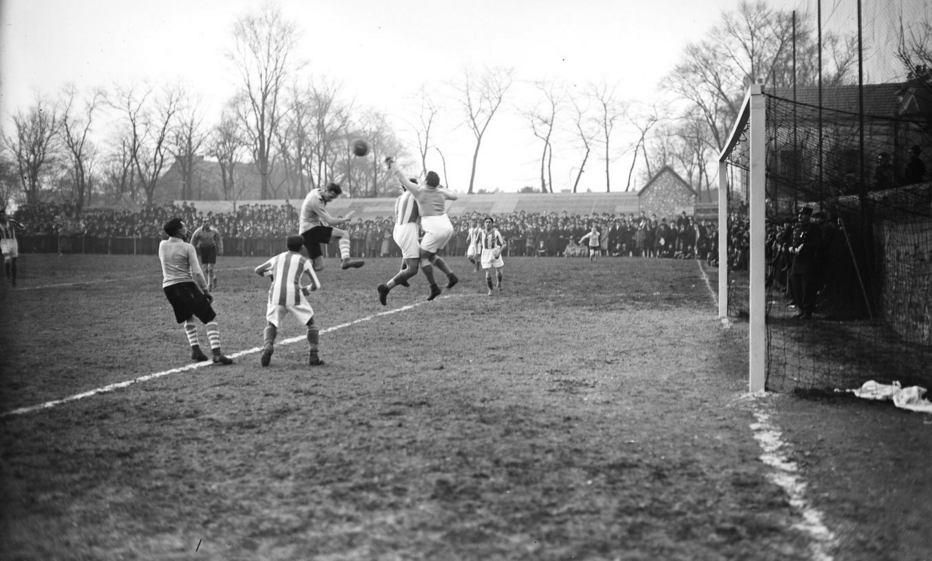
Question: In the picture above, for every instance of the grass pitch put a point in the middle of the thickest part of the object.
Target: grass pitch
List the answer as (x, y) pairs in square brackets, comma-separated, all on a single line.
[(588, 411)]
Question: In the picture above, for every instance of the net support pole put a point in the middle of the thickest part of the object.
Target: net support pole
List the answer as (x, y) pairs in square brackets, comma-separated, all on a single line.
[(722, 239), (757, 198)]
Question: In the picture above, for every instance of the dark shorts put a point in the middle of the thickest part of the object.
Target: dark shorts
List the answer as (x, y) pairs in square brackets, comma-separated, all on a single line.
[(208, 255), (314, 237), (187, 300)]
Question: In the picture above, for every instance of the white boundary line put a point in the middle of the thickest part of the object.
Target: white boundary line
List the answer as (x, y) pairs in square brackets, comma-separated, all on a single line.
[(146, 378), (79, 283), (726, 323), (785, 472)]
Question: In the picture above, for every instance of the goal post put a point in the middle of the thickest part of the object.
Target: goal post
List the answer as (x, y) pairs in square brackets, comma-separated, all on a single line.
[(749, 135)]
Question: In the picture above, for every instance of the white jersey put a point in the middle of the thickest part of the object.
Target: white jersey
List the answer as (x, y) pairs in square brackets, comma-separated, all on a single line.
[(310, 210)]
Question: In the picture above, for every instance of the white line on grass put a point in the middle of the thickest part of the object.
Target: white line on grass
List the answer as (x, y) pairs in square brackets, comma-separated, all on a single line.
[(725, 322), (146, 378), (786, 475), (102, 281)]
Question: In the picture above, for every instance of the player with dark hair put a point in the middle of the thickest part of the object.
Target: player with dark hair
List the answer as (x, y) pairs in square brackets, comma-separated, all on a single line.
[(287, 296), (317, 226), (490, 245), (209, 245), (8, 245), (431, 202), (405, 234), (186, 289)]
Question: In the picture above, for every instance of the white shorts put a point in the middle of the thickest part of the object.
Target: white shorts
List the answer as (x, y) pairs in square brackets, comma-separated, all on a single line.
[(405, 236), (9, 247), (303, 312), (437, 232), (489, 259)]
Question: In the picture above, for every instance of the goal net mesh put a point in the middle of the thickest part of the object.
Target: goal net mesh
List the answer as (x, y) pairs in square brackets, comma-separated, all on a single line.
[(873, 280)]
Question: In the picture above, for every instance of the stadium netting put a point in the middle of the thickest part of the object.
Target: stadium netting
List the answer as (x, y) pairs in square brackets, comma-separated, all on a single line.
[(873, 316)]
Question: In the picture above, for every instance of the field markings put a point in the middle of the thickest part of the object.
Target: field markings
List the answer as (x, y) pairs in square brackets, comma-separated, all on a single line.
[(785, 472), (154, 275), (195, 365), (786, 475), (726, 323)]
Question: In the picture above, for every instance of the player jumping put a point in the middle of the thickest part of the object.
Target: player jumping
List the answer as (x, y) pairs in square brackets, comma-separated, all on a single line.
[(317, 226), (431, 202)]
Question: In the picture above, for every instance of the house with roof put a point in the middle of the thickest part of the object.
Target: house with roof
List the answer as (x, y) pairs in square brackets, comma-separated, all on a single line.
[(667, 195)]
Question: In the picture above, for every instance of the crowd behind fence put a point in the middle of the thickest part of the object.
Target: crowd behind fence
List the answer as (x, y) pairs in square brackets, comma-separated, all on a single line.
[(259, 230)]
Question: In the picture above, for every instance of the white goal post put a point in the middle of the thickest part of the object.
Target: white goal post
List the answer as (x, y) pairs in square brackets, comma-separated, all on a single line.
[(753, 117)]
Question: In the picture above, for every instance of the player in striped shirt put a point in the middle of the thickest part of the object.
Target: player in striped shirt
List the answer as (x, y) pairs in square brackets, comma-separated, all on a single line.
[(287, 296), (431, 203), (490, 243), (405, 234), (8, 245)]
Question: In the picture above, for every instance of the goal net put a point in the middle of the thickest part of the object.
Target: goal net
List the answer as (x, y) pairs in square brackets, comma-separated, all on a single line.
[(871, 287)]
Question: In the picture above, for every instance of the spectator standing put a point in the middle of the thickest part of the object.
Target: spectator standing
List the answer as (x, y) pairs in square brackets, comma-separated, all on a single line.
[(915, 168)]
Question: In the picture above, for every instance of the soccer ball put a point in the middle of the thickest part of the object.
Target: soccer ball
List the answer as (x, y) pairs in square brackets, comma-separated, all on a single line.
[(360, 147)]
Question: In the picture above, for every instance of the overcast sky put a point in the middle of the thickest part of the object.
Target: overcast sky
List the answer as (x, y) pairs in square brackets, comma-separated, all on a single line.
[(382, 52)]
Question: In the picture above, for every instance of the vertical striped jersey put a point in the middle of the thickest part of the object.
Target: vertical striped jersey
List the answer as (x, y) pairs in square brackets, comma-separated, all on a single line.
[(491, 240), (287, 269), (406, 210), (7, 231)]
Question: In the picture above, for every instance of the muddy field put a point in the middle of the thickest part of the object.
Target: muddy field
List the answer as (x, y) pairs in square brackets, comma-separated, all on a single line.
[(588, 411)]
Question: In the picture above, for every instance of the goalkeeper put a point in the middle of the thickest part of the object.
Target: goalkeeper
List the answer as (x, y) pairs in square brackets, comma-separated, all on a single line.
[(491, 243)]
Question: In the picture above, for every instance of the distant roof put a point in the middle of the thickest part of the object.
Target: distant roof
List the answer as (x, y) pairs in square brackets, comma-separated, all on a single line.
[(666, 170)]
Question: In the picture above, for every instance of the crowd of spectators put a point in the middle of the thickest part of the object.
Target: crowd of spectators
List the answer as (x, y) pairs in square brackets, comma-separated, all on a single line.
[(526, 234)]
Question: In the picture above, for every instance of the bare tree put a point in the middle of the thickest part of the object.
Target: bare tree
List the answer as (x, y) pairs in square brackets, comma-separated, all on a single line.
[(119, 174), (481, 96), (187, 137), (75, 126), (643, 120), (9, 182), (542, 119), (264, 44), (586, 130), (915, 52), (226, 144), (610, 110), (426, 117), (149, 115), (753, 44), (34, 145)]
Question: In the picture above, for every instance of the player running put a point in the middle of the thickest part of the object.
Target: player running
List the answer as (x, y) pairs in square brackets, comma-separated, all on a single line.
[(317, 226), (431, 203), (186, 289), (490, 244), (287, 296)]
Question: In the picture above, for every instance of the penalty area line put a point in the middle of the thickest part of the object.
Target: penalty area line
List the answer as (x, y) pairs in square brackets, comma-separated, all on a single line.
[(119, 385)]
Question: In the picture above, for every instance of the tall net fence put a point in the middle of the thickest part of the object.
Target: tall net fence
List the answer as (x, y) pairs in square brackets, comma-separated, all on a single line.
[(849, 288), (848, 131)]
